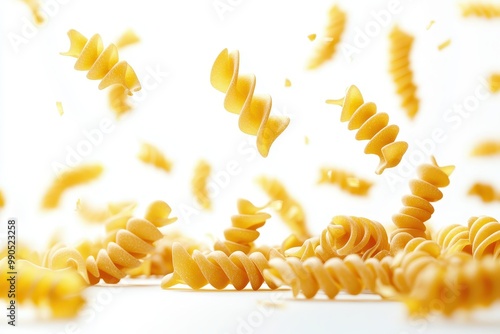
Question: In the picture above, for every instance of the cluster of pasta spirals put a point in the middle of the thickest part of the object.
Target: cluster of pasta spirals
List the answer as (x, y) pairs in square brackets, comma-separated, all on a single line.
[(424, 190), (333, 32), (150, 154), (199, 184), (399, 67), (218, 269), (480, 9), (253, 110), (371, 126), (101, 64), (345, 180)]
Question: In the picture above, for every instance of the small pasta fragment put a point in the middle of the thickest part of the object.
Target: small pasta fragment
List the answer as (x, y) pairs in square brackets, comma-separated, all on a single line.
[(60, 291), (199, 184), (36, 11), (59, 107), (288, 83), (311, 37), (150, 154), (346, 181), (400, 69), (371, 126), (327, 45), (2, 199), (68, 179), (485, 191), (494, 84), (129, 37), (480, 9), (431, 23), (254, 110), (445, 44), (487, 147)]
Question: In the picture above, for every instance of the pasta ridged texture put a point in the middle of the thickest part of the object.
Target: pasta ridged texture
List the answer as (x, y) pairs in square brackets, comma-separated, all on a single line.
[(486, 148), (417, 207), (405, 270), (36, 11), (91, 214), (351, 274), (327, 46), (101, 64), (291, 212), (454, 239), (460, 283), (346, 235), (73, 177), (346, 181), (60, 291), (253, 109), (478, 9), (150, 154), (129, 247), (218, 269), (484, 235), (372, 126), (199, 184), (243, 232), (399, 67), (485, 191)]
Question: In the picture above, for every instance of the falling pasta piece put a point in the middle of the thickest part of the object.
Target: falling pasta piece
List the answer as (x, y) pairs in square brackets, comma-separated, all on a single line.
[(2, 199), (129, 37), (118, 100), (199, 184), (151, 155), (480, 9), (327, 46), (444, 44), (254, 110), (306, 140), (311, 37), (101, 64), (494, 82), (431, 23), (60, 108), (372, 126), (346, 181), (36, 11), (68, 179), (486, 148), (288, 83)]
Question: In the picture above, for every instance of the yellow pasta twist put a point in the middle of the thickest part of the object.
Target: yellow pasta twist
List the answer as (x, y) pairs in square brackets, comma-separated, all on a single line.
[(291, 212), (485, 191), (346, 181), (130, 245), (68, 179), (371, 126), (486, 148), (58, 290), (101, 64), (351, 274), (484, 235), (424, 190), (485, 10), (453, 239), (406, 268), (399, 67), (333, 33), (254, 110), (218, 269), (151, 155), (36, 11), (243, 232), (199, 183)]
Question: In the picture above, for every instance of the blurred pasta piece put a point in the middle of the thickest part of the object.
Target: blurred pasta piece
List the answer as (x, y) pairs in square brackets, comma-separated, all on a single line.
[(91, 214), (199, 184), (59, 107), (485, 191), (485, 148), (346, 181), (128, 37), (118, 100), (150, 154), (36, 12), (2, 199), (444, 45), (494, 82), (480, 9)]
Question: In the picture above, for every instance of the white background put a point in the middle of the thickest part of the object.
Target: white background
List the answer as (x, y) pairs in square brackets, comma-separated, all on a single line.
[(184, 116)]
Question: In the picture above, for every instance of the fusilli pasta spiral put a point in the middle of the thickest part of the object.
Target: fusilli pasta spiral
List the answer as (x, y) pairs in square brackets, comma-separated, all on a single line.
[(485, 10), (70, 178), (345, 180), (333, 32), (424, 190), (399, 67), (101, 64), (218, 269), (371, 126), (199, 183), (151, 155), (453, 239), (485, 191), (484, 236), (254, 110), (58, 290)]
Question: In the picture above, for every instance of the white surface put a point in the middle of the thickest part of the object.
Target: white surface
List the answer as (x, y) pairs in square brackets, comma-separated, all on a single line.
[(184, 116)]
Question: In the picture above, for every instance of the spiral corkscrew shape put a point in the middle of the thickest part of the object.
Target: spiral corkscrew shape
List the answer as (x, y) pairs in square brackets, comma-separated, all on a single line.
[(484, 235)]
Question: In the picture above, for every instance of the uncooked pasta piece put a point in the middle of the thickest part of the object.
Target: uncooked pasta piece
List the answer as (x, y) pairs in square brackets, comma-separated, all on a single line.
[(306, 140), (253, 109), (129, 37), (151, 155), (101, 64), (327, 46), (444, 44), (60, 291), (400, 70), (92, 214), (372, 126), (218, 269), (288, 83), (485, 191), (36, 10), (484, 236), (312, 37), (417, 206), (487, 147), (243, 232), (480, 9), (495, 87), (59, 107), (345, 180), (2, 199), (199, 184), (431, 23), (453, 239), (118, 100), (68, 179)]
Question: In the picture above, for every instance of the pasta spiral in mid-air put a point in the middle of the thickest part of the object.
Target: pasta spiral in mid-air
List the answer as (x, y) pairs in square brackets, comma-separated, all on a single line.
[(486, 148), (101, 64), (199, 184), (150, 154), (485, 191), (372, 126), (253, 109), (480, 9)]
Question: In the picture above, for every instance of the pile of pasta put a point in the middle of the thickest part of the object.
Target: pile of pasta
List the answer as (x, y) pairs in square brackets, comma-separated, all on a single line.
[(402, 260)]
